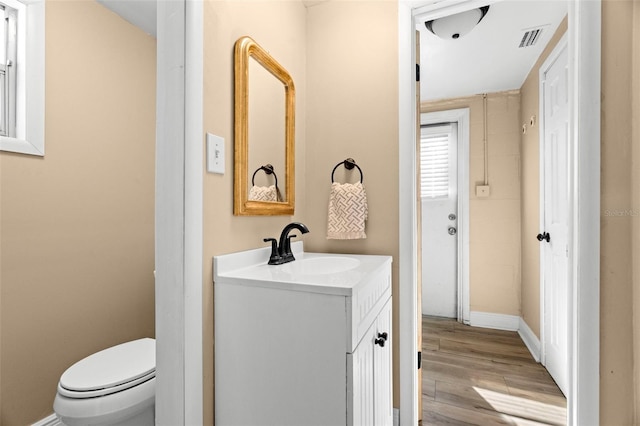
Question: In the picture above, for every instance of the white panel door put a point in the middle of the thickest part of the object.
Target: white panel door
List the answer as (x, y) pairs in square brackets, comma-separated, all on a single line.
[(555, 250), (439, 189)]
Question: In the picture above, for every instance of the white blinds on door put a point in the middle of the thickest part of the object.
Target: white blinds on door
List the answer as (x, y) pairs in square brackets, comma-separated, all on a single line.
[(434, 161)]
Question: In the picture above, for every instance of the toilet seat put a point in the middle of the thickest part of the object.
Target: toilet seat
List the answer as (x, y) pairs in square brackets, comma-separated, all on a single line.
[(109, 371)]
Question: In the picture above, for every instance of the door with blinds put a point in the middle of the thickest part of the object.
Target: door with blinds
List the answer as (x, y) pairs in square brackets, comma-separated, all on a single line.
[(439, 201)]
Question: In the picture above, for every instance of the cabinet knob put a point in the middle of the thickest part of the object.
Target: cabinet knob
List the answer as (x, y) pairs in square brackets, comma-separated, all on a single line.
[(380, 342), (384, 335)]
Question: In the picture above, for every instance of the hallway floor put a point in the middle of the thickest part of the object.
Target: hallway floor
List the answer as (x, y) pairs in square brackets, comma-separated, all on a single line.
[(479, 376)]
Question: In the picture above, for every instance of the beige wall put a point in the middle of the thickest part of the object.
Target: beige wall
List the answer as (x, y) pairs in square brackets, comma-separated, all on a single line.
[(337, 116), (620, 202), (346, 118), (353, 112), (616, 301), (494, 222), (635, 186), (224, 23), (324, 65), (77, 226), (530, 148)]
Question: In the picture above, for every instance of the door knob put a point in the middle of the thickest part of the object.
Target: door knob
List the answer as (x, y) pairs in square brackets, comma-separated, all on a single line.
[(452, 230), (545, 236)]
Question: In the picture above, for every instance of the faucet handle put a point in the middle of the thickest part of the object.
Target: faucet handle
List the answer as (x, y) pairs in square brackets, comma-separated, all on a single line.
[(275, 258)]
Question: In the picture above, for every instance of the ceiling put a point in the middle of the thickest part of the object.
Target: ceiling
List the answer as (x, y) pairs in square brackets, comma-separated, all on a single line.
[(487, 59), (141, 13)]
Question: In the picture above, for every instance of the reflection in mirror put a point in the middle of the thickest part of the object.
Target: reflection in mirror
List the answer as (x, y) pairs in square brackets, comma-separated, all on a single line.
[(264, 133), (266, 127), (265, 192)]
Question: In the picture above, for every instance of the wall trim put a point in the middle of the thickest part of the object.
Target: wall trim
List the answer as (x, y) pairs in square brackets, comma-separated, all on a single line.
[(530, 339), (51, 420), (178, 214), (495, 321)]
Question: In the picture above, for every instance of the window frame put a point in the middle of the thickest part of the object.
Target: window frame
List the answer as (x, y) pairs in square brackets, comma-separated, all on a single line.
[(30, 75), (450, 131)]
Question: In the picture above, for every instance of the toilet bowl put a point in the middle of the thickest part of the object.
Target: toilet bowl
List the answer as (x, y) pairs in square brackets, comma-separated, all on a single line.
[(114, 387)]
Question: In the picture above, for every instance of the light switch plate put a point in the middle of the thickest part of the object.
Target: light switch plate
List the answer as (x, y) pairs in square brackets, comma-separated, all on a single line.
[(483, 191), (215, 154)]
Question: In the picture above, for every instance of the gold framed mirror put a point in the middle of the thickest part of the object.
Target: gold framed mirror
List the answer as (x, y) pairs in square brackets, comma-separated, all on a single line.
[(260, 134)]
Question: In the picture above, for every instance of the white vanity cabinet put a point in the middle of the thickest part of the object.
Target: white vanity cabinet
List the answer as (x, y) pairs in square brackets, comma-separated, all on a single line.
[(305, 344)]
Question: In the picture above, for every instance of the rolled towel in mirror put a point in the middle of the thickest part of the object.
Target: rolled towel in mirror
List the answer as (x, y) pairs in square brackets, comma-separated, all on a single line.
[(263, 193)]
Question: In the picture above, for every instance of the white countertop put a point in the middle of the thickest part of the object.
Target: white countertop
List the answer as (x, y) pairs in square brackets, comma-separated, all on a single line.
[(250, 268)]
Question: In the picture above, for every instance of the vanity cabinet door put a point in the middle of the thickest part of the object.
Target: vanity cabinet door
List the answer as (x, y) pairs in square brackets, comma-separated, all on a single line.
[(362, 381), (382, 364), (370, 370)]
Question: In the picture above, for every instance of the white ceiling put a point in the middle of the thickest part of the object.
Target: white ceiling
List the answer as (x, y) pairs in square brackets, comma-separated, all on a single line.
[(488, 58), (141, 13), (485, 60)]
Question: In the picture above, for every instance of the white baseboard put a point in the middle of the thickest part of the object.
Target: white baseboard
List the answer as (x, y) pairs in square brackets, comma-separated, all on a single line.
[(495, 321), (51, 420), (396, 417), (510, 323), (530, 339)]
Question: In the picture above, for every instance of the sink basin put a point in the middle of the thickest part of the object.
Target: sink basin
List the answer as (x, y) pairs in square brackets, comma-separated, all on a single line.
[(327, 273), (321, 265)]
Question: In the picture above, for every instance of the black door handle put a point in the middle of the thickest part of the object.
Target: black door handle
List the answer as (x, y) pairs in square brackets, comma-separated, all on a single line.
[(545, 236)]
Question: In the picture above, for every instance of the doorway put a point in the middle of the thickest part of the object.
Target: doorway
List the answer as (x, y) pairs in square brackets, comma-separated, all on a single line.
[(458, 242), (584, 69)]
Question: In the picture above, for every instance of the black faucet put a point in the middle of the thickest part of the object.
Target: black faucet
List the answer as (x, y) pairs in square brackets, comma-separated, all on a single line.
[(281, 253)]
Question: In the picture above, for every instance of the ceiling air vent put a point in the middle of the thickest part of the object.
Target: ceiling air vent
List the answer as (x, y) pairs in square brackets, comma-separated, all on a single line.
[(531, 37)]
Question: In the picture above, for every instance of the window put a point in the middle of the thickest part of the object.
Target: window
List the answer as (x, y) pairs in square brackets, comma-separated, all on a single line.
[(8, 60), (22, 76), (436, 160)]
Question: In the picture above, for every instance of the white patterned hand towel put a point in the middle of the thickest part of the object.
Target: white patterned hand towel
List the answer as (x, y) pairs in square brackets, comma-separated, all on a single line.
[(263, 193), (348, 211)]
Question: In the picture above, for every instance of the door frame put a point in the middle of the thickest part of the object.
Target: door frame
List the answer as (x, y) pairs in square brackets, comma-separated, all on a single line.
[(460, 116), (178, 213), (584, 36), (553, 56)]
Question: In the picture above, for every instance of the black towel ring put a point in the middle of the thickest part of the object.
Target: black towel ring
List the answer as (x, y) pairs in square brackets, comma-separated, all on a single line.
[(268, 169), (349, 164)]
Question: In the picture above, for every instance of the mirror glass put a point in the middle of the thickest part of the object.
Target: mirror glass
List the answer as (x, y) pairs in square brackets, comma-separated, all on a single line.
[(264, 133), (266, 127)]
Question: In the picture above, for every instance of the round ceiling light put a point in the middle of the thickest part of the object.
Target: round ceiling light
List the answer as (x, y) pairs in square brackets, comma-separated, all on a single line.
[(455, 26)]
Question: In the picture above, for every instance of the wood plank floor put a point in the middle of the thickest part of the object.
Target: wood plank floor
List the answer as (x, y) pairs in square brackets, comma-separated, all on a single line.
[(479, 376)]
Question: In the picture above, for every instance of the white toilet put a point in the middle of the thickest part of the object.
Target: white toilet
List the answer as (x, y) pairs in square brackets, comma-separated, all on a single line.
[(115, 387)]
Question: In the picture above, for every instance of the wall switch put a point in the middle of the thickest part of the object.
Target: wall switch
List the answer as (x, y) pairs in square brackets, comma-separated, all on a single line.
[(215, 154), (483, 191)]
